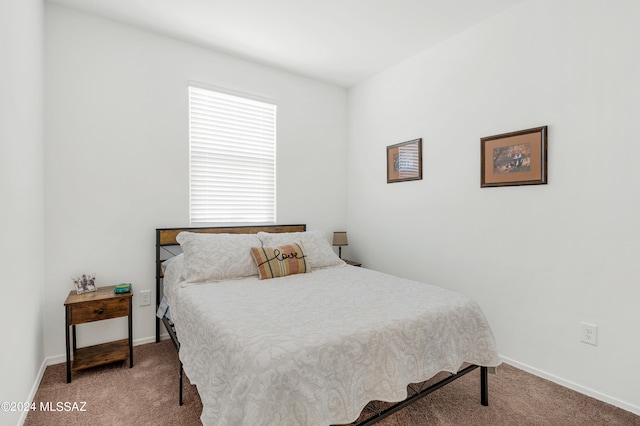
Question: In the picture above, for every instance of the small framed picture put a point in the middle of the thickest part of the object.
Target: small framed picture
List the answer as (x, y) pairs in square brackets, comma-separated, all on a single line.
[(404, 161), (85, 283), (516, 158)]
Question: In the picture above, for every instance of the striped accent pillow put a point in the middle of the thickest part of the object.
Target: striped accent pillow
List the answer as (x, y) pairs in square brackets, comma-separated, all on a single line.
[(280, 261)]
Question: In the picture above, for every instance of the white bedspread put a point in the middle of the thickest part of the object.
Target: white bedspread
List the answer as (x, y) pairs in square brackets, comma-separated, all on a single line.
[(313, 349)]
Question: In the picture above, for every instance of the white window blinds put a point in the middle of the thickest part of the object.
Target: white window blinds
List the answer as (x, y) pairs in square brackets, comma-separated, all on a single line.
[(232, 158)]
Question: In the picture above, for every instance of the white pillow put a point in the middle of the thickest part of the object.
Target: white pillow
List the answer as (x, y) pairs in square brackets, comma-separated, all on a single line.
[(172, 269), (319, 252), (217, 257)]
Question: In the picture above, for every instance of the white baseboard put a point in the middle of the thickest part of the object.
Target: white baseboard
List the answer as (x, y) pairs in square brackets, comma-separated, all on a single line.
[(34, 389), (574, 386)]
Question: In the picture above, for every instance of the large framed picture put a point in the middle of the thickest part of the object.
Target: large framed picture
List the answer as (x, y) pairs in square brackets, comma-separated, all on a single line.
[(404, 161), (516, 158)]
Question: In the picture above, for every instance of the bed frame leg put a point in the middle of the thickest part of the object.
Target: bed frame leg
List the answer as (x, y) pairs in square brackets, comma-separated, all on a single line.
[(181, 382), (484, 386)]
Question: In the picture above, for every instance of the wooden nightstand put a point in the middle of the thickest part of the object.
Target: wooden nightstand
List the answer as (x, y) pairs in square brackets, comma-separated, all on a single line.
[(351, 262), (96, 306)]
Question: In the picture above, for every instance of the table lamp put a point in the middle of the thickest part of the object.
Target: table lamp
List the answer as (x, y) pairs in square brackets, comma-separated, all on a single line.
[(340, 239)]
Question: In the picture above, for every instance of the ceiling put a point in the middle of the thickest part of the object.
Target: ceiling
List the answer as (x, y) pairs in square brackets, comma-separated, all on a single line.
[(338, 41)]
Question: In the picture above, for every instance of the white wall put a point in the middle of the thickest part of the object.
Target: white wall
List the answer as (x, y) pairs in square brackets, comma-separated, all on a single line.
[(538, 259), (21, 205), (116, 167)]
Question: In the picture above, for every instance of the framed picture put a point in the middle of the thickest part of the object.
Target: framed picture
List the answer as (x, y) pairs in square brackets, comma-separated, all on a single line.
[(85, 283), (404, 161), (516, 158)]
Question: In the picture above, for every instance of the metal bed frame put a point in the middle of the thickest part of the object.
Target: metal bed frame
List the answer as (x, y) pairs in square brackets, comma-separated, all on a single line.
[(166, 238)]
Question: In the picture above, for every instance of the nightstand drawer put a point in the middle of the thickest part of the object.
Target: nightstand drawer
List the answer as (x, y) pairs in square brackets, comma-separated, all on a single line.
[(98, 310)]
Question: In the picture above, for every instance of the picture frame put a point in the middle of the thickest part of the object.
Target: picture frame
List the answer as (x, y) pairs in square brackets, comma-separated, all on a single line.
[(85, 283), (515, 158), (404, 161)]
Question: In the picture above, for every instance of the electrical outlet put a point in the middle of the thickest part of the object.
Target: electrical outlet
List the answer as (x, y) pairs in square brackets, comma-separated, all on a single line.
[(589, 333), (145, 297)]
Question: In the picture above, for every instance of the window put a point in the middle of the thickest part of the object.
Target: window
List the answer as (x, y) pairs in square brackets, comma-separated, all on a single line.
[(232, 144)]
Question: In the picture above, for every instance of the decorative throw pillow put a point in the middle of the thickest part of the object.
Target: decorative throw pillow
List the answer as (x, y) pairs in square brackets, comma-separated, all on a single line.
[(273, 262), (319, 252), (217, 257)]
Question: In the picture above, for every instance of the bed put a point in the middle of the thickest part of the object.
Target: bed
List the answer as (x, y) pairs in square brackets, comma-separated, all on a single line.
[(311, 343)]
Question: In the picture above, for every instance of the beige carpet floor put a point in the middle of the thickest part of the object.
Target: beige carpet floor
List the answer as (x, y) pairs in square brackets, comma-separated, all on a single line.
[(147, 394)]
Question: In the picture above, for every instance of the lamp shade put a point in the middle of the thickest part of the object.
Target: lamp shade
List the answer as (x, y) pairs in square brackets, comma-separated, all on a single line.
[(340, 239)]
